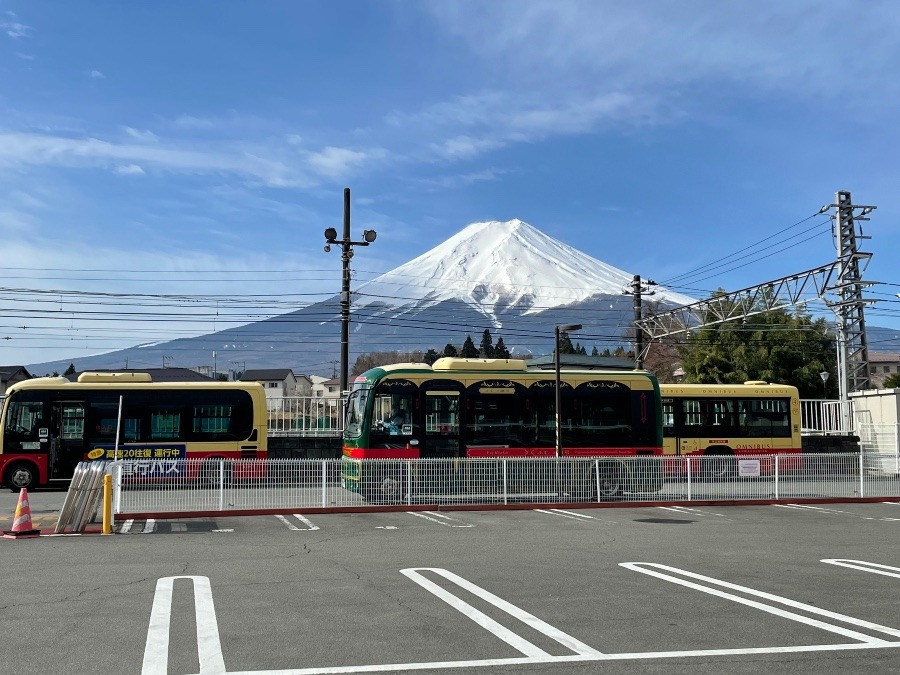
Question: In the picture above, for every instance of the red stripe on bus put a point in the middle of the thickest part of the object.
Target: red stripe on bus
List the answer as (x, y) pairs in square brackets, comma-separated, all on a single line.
[(393, 453), (551, 452)]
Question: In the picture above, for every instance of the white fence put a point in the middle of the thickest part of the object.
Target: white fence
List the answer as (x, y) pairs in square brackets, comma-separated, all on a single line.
[(190, 487)]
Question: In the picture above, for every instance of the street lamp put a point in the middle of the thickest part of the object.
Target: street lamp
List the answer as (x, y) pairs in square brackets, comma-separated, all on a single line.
[(346, 254), (824, 375), (567, 328)]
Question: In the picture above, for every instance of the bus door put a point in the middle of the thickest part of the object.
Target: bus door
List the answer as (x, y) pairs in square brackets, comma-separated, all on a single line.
[(441, 409), (67, 438)]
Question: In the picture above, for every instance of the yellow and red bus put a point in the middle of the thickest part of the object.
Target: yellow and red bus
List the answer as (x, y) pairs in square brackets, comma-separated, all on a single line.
[(723, 422), (499, 409), (50, 424)]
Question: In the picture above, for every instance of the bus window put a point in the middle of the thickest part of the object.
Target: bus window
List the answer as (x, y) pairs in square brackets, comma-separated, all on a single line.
[(392, 414), (165, 424), (72, 422), (22, 416)]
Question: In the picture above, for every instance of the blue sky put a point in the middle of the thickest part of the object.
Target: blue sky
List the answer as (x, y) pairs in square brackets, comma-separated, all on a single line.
[(200, 149)]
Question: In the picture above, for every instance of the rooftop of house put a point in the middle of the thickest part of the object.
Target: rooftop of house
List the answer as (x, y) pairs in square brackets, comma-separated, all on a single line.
[(267, 375)]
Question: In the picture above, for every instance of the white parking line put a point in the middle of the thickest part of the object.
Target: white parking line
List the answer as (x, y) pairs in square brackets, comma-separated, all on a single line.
[(865, 566), (439, 518), (209, 648), (693, 512), (485, 621), (309, 526), (125, 528), (822, 509), (643, 569), (566, 514), (149, 526)]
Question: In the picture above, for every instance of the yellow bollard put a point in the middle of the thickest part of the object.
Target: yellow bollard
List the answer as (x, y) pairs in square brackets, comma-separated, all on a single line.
[(107, 504)]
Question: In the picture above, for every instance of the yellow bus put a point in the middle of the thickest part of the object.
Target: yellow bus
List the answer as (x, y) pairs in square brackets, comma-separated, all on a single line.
[(50, 424), (722, 422)]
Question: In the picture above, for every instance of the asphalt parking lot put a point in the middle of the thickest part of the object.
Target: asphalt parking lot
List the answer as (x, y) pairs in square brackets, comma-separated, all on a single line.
[(785, 588)]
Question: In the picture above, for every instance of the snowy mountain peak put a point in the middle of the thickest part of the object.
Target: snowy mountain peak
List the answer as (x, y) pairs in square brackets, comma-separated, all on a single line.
[(493, 266)]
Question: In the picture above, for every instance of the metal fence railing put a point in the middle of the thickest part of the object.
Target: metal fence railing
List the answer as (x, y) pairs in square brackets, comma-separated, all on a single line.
[(820, 416), (192, 486)]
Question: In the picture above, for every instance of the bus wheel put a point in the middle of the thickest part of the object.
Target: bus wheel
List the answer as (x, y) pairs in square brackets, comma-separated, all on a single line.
[(385, 486), (611, 483), (718, 465), (21, 475)]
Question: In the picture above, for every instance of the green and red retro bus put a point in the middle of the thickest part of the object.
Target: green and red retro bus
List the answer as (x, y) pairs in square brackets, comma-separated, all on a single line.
[(500, 409)]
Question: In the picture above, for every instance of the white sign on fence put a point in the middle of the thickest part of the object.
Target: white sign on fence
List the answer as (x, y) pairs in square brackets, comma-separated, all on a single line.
[(748, 467)]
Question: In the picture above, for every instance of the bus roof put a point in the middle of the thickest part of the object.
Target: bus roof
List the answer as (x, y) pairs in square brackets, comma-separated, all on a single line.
[(749, 388), (65, 384), (511, 367)]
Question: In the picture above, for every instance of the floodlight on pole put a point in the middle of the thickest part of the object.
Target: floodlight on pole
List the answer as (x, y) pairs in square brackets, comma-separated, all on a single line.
[(566, 328)]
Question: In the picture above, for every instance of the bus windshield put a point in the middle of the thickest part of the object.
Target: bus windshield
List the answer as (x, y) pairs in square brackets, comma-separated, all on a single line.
[(356, 410)]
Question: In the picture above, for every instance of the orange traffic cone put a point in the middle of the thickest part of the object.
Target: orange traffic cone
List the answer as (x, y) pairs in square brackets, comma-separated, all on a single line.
[(21, 528)]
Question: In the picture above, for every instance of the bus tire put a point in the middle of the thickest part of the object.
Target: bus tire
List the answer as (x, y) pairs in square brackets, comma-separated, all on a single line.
[(21, 475), (385, 486), (611, 481), (719, 464)]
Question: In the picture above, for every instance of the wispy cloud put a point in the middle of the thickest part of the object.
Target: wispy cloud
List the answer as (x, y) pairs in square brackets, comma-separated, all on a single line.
[(259, 162), (334, 162), (763, 45), (129, 170), (97, 75), (141, 135), (476, 124), (464, 179), (25, 57), (15, 30)]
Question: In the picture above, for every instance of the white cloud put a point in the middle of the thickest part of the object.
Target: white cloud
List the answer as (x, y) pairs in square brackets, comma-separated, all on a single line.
[(462, 180), (146, 135), (16, 30), (335, 162), (262, 165), (129, 170), (97, 75), (765, 45), (25, 57)]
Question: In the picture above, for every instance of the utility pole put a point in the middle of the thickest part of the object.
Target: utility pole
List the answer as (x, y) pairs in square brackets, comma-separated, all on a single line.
[(636, 290), (853, 349), (346, 254)]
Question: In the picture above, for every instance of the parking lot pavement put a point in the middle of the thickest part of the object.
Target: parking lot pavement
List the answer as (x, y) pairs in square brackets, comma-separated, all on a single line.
[(658, 589)]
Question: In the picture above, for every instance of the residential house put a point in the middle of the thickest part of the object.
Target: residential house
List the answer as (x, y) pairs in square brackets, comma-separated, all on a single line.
[(10, 375), (881, 366), (279, 384)]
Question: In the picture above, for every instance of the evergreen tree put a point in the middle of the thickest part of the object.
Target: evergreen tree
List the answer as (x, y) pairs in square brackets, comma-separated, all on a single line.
[(500, 350), (594, 351), (774, 346), (892, 381), (70, 370), (431, 356), (565, 344), (486, 350), (468, 349), (450, 350)]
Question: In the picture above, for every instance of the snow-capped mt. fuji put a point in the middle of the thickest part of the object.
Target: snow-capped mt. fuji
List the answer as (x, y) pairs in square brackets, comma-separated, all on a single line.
[(495, 266), (506, 277)]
